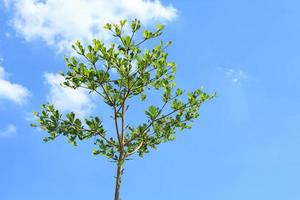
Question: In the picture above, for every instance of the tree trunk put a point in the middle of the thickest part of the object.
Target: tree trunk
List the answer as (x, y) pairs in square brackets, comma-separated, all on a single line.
[(118, 180)]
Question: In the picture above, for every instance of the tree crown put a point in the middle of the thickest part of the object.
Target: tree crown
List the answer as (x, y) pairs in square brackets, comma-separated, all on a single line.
[(117, 73)]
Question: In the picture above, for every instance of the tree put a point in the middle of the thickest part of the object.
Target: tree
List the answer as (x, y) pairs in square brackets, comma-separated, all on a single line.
[(118, 73)]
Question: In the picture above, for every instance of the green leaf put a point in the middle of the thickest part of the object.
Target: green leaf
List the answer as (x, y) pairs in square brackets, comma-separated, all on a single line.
[(135, 25), (95, 152), (33, 125), (160, 27), (179, 92), (70, 116), (172, 64), (123, 22), (92, 57), (143, 97), (147, 34), (108, 26), (127, 40), (169, 43), (152, 112)]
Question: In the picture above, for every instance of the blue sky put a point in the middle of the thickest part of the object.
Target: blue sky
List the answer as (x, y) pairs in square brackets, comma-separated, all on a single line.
[(245, 146)]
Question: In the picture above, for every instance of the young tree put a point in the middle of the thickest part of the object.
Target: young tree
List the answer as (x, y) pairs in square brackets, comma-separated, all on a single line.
[(118, 73)]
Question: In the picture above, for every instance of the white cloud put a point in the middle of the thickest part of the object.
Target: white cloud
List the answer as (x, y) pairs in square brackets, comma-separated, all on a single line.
[(9, 131), (235, 75), (60, 23), (67, 99), (12, 91)]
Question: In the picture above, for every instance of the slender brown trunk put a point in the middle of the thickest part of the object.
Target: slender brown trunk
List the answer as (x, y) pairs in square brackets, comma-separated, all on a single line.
[(122, 154), (118, 179)]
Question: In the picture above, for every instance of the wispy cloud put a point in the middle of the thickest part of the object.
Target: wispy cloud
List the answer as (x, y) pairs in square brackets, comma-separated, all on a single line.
[(68, 99), (61, 23), (234, 75), (10, 130), (12, 91)]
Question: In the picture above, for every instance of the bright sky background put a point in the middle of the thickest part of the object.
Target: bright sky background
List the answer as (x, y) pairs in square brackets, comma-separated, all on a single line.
[(245, 146)]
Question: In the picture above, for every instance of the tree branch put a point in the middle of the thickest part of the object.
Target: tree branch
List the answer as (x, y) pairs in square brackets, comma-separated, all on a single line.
[(135, 150)]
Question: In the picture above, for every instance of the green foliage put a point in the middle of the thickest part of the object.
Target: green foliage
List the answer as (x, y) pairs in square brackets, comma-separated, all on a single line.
[(119, 72)]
